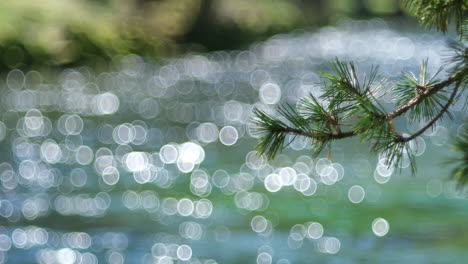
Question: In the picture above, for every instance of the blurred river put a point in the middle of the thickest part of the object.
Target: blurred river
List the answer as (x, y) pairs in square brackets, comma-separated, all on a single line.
[(154, 162)]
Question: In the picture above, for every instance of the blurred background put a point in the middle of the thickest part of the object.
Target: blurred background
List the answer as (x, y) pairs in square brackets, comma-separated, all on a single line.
[(126, 136), (77, 32)]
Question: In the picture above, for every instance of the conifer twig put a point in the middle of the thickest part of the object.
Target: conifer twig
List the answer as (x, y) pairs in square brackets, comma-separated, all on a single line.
[(323, 123), (428, 92), (437, 117), (320, 137)]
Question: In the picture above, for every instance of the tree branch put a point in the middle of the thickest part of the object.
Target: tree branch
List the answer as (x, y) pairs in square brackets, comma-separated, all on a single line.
[(371, 125), (324, 137), (317, 136), (437, 117), (423, 94)]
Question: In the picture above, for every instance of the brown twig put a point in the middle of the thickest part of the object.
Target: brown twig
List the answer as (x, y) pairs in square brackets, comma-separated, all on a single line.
[(317, 136)]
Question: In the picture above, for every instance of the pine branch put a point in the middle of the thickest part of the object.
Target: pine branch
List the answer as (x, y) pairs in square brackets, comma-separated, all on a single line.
[(273, 131), (394, 150), (347, 95), (426, 92), (322, 121), (460, 172), (409, 85), (438, 13), (436, 118), (464, 31), (459, 58), (318, 136)]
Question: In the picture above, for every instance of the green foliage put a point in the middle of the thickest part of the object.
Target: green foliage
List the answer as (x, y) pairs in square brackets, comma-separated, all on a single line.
[(317, 113), (459, 60), (343, 89), (63, 32), (356, 100), (464, 31), (372, 128), (395, 151), (460, 173), (405, 91), (438, 13), (272, 133), (345, 98)]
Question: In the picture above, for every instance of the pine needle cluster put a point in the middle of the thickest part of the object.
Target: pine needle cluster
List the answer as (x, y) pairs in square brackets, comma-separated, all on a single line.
[(439, 13), (351, 106), (460, 171)]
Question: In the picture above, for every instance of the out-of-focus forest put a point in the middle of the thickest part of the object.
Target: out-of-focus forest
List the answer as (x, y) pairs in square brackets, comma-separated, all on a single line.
[(76, 32)]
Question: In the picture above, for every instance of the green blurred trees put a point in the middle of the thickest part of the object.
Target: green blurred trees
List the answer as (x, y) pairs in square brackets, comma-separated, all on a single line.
[(62, 32)]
